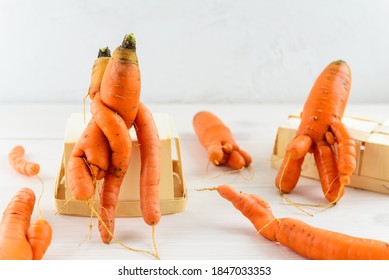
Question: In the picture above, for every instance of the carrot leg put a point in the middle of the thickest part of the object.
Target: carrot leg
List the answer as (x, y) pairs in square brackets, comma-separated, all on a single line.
[(289, 174), (328, 172), (346, 152), (150, 151), (116, 131), (39, 236)]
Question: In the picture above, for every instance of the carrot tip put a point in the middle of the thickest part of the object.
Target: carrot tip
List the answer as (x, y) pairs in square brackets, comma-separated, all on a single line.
[(129, 42), (104, 52)]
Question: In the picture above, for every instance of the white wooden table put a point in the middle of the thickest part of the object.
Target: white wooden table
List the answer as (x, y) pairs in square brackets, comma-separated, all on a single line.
[(209, 228)]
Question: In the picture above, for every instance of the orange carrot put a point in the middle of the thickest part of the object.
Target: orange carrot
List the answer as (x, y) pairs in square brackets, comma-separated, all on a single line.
[(18, 239), (319, 130), (20, 164), (150, 152), (217, 139), (308, 241), (39, 236), (98, 70), (114, 110)]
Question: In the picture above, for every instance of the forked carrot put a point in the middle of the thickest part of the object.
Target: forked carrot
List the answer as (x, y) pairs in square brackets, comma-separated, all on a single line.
[(115, 109), (20, 164), (219, 142), (308, 241), (20, 240), (319, 130)]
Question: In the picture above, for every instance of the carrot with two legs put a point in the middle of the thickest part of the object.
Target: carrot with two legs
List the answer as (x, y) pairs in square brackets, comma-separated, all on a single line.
[(319, 130)]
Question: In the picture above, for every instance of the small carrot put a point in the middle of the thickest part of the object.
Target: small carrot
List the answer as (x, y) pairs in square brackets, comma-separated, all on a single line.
[(20, 240), (20, 164), (308, 241), (98, 70), (319, 130), (218, 140)]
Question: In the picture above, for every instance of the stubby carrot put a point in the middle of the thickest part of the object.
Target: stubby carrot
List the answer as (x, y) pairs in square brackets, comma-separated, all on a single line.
[(319, 130), (308, 241), (20, 240), (20, 164), (219, 142)]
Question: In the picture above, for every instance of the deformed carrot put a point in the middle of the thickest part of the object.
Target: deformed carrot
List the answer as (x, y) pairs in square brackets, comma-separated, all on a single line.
[(219, 142), (308, 241), (150, 152), (20, 240), (319, 130), (20, 164)]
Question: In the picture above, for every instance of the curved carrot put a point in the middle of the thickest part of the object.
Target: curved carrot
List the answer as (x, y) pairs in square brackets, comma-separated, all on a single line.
[(18, 239), (217, 138), (116, 131), (20, 164), (320, 128), (308, 241), (114, 109), (150, 152)]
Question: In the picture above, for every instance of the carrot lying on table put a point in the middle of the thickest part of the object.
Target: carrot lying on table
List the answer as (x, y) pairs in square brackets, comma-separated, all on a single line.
[(319, 129), (217, 138), (308, 241), (20, 240), (20, 164)]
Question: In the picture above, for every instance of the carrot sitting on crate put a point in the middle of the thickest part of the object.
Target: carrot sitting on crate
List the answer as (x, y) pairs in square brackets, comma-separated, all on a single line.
[(217, 139), (319, 130), (308, 241), (104, 148)]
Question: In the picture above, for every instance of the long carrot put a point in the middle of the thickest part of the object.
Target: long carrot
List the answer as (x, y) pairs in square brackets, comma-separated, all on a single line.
[(20, 240), (20, 164), (219, 142), (150, 151), (114, 111), (319, 129), (308, 241)]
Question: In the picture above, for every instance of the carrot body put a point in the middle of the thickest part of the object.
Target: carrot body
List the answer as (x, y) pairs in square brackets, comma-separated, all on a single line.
[(17, 237), (308, 241), (150, 152), (319, 129), (20, 164), (218, 140)]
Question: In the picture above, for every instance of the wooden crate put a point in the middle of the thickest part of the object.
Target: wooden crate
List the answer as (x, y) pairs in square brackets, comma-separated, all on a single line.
[(372, 138), (173, 196)]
